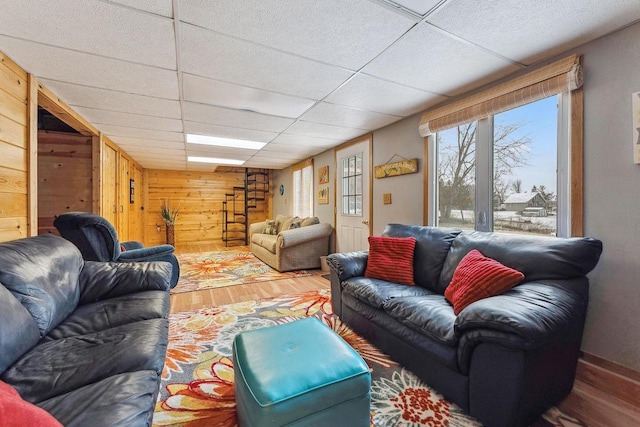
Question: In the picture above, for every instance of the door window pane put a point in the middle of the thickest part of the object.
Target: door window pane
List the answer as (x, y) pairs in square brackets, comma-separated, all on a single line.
[(352, 185)]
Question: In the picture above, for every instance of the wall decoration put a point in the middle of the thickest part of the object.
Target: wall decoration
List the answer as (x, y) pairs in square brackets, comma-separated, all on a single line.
[(132, 190), (635, 106), (323, 175), (323, 196), (281, 189), (401, 167)]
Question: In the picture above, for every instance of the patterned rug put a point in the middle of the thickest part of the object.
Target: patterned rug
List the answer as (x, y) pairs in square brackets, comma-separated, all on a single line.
[(197, 381), (206, 270)]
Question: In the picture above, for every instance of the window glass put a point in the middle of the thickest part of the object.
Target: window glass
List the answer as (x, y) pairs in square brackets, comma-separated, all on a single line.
[(456, 176), (352, 185), (525, 159), (303, 191)]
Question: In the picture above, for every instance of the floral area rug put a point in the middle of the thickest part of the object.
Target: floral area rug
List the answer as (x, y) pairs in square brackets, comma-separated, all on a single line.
[(197, 381), (206, 270)]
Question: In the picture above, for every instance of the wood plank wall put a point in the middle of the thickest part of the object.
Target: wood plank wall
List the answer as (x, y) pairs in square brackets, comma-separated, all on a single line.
[(200, 196), (13, 150), (64, 176)]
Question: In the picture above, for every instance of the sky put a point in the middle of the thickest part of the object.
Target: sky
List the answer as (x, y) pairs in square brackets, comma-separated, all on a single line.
[(540, 123)]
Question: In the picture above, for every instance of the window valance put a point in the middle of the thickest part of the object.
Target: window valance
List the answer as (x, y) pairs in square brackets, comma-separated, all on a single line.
[(557, 77)]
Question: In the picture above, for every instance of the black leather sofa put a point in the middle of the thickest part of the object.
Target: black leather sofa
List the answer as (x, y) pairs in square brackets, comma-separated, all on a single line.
[(84, 340), (505, 359)]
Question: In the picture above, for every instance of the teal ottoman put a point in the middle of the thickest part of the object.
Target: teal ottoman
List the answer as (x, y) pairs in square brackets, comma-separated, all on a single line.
[(299, 374)]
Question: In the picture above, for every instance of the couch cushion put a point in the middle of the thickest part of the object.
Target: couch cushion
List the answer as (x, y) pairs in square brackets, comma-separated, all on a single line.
[(391, 259), (58, 367), (430, 315), (286, 224), (43, 274), (270, 227), (538, 258), (110, 313), (125, 399), (377, 292), (432, 247), (478, 277), (18, 330), (280, 219), (267, 241), (14, 411), (310, 220)]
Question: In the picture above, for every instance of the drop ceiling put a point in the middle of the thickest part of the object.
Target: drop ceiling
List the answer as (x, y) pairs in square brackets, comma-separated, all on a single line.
[(300, 75)]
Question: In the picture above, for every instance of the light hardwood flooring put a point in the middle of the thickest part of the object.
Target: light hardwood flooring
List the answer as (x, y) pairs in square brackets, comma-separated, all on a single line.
[(590, 401)]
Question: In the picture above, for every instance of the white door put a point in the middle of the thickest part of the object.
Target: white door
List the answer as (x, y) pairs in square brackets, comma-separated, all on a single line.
[(353, 194)]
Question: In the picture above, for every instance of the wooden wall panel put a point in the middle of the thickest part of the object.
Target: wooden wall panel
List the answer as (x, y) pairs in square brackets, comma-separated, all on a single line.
[(13, 150), (64, 176), (199, 195), (109, 179), (136, 209)]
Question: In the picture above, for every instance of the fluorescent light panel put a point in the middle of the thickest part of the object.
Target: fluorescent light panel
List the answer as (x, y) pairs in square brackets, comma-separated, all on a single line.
[(215, 160), (224, 142)]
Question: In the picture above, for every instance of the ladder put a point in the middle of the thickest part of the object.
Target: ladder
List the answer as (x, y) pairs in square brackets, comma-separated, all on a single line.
[(238, 202)]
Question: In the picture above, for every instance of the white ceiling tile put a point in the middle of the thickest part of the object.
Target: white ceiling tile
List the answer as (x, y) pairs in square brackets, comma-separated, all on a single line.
[(96, 27), (419, 7), (223, 94), (85, 96), (428, 59), (282, 156), (229, 59), (229, 132), (347, 33), (114, 130), (530, 31), (333, 114), (219, 154), (287, 148), (372, 94), (234, 118), (157, 7), (305, 140), (96, 117), (213, 151), (324, 131), (90, 70)]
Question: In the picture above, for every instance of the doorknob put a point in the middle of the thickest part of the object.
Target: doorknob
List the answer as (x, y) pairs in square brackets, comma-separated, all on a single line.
[(365, 222)]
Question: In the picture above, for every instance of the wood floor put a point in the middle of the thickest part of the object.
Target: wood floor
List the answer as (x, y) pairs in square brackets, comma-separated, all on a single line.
[(600, 397)]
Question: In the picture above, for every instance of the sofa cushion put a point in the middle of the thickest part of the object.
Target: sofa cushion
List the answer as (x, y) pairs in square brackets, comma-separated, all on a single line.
[(110, 313), (14, 411), (310, 220), (432, 247), (61, 366), (270, 227), (267, 241), (377, 292), (286, 224), (391, 258), (124, 399), (430, 315), (538, 258), (478, 277), (280, 219), (18, 330), (43, 274)]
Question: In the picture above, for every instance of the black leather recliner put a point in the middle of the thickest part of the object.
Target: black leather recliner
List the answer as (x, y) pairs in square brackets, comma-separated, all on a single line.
[(504, 359), (97, 240)]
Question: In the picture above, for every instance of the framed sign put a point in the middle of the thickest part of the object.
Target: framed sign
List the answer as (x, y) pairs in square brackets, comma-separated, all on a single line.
[(132, 188), (323, 175)]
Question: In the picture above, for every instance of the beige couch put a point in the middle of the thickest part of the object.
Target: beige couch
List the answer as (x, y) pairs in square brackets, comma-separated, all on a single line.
[(291, 249)]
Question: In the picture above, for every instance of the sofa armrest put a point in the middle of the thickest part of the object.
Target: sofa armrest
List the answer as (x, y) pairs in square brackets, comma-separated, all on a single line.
[(256, 228), (146, 254), (349, 264), (133, 244), (296, 236), (104, 280), (524, 318)]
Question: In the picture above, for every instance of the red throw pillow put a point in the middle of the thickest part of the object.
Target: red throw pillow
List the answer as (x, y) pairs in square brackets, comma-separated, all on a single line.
[(478, 277), (14, 411), (391, 259)]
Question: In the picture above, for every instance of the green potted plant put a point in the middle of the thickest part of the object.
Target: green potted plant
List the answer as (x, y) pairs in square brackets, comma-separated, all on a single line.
[(169, 216)]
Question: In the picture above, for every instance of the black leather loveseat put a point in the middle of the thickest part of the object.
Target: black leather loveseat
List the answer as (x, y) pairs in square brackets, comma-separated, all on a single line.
[(83, 340), (503, 359)]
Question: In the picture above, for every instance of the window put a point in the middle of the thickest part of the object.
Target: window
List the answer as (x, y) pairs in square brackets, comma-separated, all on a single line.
[(509, 158), (515, 181), (303, 189), (352, 185)]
